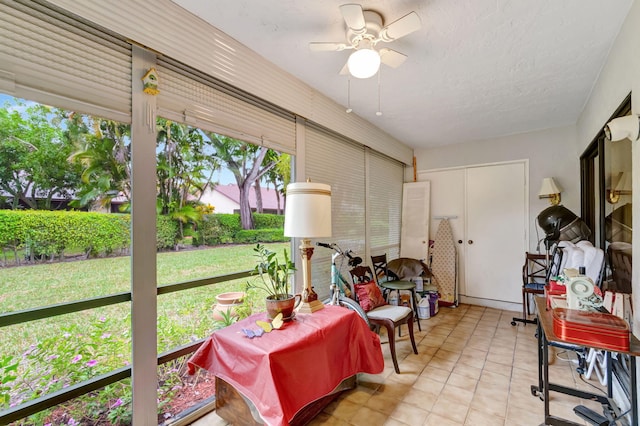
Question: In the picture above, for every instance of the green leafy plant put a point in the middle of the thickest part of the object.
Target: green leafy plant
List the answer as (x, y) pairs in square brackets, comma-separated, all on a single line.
[(8, 370), (272, 275)]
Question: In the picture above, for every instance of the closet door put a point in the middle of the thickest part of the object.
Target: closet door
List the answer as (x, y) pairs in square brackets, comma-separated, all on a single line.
[(488, 212), (495, 240), (447, 200)]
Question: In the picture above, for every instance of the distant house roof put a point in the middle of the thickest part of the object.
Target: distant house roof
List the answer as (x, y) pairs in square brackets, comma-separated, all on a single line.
[(269, 200)]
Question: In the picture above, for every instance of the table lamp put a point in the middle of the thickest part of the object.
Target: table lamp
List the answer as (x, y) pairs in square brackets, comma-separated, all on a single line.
[(308, 215)]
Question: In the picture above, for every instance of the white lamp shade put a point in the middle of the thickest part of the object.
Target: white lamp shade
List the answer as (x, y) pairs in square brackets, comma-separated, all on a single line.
[(308, 210), (623, 127), (549, 187), (364, 63)]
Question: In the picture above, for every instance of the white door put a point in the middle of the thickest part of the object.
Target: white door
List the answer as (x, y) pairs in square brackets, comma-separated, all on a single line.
[(414, 236), (496, 233), (447, 200), (488, 216)]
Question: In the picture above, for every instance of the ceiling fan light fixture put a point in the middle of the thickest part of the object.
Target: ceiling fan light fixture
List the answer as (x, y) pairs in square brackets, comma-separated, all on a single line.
[(364, 63)]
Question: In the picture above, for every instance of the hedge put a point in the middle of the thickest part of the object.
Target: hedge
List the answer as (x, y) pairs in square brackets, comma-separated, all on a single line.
[(47, 234), (226, 228), (260, 236), (43, 233)]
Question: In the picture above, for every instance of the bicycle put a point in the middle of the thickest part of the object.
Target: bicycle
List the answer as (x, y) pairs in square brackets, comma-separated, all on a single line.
[(340, 288)]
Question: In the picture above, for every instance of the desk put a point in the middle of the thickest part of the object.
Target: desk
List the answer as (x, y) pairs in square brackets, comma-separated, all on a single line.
[(545, 336), (285, 370)]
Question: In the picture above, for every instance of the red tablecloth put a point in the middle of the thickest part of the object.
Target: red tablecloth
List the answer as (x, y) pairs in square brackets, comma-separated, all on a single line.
[(286, 369)]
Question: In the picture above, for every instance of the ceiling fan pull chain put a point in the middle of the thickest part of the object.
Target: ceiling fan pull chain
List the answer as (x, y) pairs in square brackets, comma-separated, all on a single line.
[(349, 95), (379, 112)]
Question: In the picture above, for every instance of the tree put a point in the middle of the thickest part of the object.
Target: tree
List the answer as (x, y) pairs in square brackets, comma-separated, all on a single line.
[(185, 169), (33, 153), (103, 150), (280, 175), (247, 164)]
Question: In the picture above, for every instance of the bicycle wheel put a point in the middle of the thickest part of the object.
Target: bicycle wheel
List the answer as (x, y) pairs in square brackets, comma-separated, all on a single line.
[(348, 303)]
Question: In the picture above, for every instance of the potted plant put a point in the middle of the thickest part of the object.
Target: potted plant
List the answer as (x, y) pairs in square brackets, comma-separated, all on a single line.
[(272, 277)]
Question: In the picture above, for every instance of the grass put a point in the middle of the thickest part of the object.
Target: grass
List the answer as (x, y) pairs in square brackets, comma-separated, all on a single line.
[(184, 316)]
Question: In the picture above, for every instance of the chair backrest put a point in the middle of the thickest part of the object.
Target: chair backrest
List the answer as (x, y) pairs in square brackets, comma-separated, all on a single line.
[(380, 267), (361, 274), (534, 270)]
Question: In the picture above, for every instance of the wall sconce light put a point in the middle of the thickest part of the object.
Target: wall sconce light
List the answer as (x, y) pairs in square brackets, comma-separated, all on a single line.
[(551, 190), (623, 187), (308, 215), (623, 127)]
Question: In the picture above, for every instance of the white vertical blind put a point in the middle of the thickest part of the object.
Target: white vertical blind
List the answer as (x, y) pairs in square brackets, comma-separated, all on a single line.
[(50, 58), (384, 204)]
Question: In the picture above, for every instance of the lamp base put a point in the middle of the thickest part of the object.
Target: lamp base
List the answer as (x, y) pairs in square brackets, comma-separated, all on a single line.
[(310, 307)]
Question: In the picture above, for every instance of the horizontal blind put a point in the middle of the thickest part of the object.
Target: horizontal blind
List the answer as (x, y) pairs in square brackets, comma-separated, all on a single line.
[(174, 32), (202, 101), (48, 57), (386, 177), (339, 163)]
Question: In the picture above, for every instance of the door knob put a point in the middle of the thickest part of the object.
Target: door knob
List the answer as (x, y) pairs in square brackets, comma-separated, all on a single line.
[(459, 241), (470, 241)]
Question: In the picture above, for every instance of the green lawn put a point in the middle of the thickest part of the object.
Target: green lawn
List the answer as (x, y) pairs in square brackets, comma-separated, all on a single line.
[(186, 315)]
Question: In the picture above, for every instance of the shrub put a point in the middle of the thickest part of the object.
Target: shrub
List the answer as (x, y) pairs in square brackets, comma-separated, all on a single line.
[(260, 236), (167, 232), (264, 220), (225, 228), (46, 234), (230, 223), (210, 232)]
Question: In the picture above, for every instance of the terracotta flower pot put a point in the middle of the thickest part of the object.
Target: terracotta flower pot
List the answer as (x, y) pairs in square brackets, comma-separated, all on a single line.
[(284, 305), (227, 303)]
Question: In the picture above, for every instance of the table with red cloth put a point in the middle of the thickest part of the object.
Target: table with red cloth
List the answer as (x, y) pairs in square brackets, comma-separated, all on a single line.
[(282, 371)]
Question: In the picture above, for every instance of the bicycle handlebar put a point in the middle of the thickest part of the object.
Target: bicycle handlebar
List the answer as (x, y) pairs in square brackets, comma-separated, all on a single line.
[(353, 261), (327, 245)]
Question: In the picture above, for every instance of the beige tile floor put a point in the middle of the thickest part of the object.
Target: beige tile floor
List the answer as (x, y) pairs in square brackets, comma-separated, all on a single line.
[(473, 368)]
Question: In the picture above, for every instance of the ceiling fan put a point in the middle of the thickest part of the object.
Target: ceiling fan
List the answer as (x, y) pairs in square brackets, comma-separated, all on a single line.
[(364, 31)]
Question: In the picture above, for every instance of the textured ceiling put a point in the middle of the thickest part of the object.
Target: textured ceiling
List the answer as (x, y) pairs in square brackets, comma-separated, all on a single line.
[(477, 69)]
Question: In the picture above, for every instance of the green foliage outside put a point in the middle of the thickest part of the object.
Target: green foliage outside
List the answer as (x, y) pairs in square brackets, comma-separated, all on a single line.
[(43, 234), (42, 356), (226, 228)]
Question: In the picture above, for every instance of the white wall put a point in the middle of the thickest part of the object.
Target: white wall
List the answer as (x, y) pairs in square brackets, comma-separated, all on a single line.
[(221, 203), (551, 153), (556, 152), (619, 76)]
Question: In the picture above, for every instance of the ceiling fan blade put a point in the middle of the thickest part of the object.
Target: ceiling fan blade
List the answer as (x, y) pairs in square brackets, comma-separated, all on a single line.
[(392, 58), (354, 17), (406, 25), (327, 46)]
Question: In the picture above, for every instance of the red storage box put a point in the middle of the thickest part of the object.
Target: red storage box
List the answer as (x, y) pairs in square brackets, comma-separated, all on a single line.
[(595, 329)]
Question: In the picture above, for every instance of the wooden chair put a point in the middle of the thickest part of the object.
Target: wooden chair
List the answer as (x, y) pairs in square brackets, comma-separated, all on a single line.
[(534, 278), (389, 316), (389, 281)]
